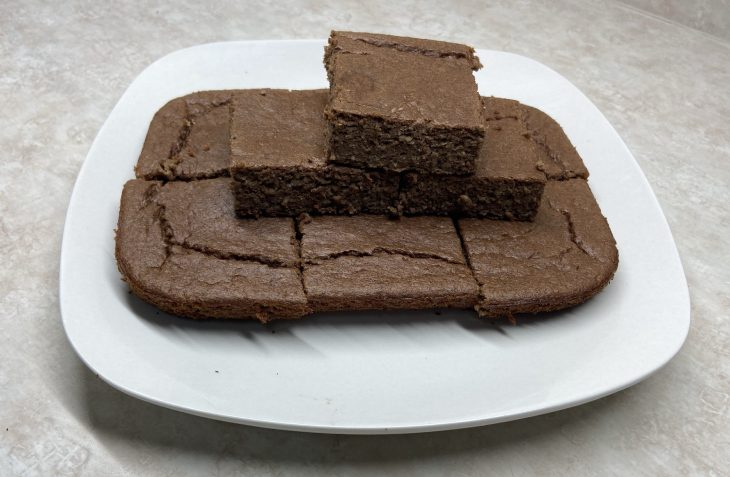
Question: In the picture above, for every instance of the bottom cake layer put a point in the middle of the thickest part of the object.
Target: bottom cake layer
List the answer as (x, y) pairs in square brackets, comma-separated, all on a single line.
[(180, 246)]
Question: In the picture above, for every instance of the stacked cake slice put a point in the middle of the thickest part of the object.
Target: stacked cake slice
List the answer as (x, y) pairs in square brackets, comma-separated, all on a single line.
[(384, 139), (398, 188)]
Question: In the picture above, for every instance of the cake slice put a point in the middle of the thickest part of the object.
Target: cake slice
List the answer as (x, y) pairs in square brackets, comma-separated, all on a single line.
[(563, 258), (180, 247), (399, 104), (374, 263)]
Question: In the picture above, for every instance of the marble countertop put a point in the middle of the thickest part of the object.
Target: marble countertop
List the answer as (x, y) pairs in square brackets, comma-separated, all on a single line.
[(665, 87)]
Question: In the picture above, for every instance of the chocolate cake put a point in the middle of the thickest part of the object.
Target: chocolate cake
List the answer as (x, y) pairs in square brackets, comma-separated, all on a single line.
[(402, 130), (400, 104)]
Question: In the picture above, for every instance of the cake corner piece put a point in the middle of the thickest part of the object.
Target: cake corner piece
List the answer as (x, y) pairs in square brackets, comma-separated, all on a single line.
[(562, 259), (188, 139), (180, 248)]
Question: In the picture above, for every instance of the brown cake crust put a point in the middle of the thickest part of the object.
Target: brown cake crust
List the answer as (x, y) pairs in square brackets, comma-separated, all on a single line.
[(372, 263), (278, 162), (238, 269), (557, 157), (402, 104), (188, 139), (359, 42), (563, 258)]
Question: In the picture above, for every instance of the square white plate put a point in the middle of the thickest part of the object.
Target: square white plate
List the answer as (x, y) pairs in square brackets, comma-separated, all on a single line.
[(371, 372)]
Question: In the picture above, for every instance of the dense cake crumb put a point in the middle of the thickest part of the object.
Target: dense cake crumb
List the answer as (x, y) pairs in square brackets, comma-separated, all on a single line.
[(506, 183)]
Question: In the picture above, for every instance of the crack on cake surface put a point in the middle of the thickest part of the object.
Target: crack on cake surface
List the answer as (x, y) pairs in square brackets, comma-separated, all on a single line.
[(242, 257), (380, 251), (431, 53), (500, 118), (149, 199), (168, 234), (571, 230), (198, 176), (170, 166), (538, 137), (565, 171), (467, 260), (298, 236)]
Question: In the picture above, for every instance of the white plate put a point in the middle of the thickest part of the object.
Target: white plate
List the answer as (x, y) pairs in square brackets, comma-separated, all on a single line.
[(369, 372)]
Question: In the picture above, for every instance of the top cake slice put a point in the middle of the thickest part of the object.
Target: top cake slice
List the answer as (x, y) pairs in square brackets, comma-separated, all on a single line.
[(400, 104)]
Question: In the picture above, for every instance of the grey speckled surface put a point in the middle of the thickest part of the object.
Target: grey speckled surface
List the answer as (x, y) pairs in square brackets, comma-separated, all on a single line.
[(63, 66), (710, 16)]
